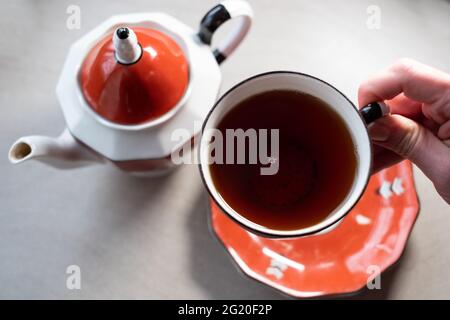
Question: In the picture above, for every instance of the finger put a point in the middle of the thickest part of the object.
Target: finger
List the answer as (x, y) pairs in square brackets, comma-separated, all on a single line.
[(430, 124), (378, 149), (416, 80), (444, 131), (409, 108), (405, 106), (439, 111), (447, 142), (384, 158), (410, 140)]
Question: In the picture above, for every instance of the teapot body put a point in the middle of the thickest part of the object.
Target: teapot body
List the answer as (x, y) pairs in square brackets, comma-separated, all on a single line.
[(139, 147)]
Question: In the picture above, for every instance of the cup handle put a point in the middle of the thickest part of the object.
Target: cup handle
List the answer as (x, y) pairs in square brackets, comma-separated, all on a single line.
[(215, 17), (374, 111)]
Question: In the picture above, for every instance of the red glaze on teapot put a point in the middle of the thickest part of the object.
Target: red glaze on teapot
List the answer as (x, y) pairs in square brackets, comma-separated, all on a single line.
[(131, 94)]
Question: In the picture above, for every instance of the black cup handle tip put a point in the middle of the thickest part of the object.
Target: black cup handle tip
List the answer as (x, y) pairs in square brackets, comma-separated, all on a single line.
[(374, 111)]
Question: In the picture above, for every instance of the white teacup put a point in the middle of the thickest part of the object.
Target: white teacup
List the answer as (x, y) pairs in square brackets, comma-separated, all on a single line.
[(355, 120)]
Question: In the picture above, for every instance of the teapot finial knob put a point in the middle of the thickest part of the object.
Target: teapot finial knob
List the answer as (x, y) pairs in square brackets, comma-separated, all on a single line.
[(123, 33), (128, 50)]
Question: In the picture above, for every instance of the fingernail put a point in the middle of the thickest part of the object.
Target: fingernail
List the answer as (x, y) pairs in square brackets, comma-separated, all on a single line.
[(379, 131)]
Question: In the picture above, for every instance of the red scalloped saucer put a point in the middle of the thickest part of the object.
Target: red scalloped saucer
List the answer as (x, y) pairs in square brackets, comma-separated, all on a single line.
[(369, 239)]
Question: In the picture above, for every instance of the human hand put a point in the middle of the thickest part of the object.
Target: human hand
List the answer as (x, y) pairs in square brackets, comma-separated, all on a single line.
[(418, 128)]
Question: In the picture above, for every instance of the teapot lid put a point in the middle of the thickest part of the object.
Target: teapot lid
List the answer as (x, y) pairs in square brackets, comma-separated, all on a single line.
[(134, 76)]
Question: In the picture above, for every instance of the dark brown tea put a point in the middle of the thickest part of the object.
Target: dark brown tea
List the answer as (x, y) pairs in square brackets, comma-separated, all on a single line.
[(317, 161)]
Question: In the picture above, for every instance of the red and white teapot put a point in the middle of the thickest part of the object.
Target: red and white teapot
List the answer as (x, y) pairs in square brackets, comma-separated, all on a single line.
[(129, 83)]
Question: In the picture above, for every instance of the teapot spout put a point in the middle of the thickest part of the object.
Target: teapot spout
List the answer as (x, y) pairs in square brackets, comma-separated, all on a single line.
[(62, 152)]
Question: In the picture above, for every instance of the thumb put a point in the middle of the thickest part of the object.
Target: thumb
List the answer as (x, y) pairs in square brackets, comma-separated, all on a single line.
[(411, 140)]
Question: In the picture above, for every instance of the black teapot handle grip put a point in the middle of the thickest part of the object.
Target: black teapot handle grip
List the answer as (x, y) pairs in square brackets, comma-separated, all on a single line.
[(214, 18)]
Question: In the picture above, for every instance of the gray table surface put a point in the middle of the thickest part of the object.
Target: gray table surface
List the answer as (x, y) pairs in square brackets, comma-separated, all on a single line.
[(148, 238)]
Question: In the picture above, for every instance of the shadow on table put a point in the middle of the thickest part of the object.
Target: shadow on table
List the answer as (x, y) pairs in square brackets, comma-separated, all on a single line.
[(213, 269)]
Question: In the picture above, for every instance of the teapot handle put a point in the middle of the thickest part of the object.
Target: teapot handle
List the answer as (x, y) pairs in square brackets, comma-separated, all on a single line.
[(215, 17)]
